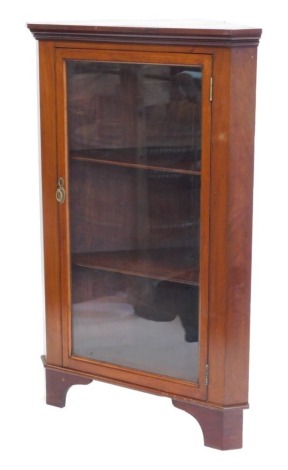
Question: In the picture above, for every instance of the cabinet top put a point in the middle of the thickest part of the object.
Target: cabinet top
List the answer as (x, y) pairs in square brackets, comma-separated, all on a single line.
[(186, 32)]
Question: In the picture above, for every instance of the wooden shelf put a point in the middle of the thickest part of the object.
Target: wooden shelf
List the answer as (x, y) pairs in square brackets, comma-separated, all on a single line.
[(176, 264), (168, 160)]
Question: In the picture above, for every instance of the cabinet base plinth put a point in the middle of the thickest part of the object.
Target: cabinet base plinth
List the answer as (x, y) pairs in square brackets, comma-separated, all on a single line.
[(222, 428), (58, 383)]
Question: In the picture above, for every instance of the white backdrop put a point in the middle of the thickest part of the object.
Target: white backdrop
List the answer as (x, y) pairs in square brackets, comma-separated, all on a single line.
[(108, 427)]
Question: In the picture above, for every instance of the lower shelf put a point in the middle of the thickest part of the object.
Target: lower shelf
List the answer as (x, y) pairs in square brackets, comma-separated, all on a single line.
[(108, 330), (177, 264)]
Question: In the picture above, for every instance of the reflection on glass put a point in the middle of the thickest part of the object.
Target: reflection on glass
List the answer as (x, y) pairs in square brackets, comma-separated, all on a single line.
[(135, 172)]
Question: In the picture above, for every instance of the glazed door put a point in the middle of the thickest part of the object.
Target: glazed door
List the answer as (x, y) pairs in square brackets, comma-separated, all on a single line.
[(133, 190)]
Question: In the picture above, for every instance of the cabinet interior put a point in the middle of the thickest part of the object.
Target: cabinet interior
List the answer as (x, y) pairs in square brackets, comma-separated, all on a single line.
[(134, 139)]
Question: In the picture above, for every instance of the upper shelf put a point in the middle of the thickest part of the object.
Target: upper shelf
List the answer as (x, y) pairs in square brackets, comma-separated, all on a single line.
[(187, 32), (167, 160)]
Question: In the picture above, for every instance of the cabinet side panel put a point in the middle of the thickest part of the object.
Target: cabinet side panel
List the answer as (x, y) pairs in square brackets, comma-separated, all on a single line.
[(50, 209), (231, 225), (239, 236)]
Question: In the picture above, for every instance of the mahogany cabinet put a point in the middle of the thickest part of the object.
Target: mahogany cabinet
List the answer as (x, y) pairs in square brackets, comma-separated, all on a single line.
[(147, 174)]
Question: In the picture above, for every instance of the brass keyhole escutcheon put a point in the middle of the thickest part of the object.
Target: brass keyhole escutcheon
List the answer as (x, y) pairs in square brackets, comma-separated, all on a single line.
[(60, 191)]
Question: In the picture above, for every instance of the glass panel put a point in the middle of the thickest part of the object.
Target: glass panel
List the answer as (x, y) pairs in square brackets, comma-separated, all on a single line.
[(135, 147)]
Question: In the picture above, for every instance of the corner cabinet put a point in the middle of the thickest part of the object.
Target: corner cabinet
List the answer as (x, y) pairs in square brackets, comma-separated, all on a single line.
[(147, 174)]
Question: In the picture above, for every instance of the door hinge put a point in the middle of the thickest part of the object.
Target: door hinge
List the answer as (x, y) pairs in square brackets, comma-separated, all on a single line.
[(207, 375), (211, 88)]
